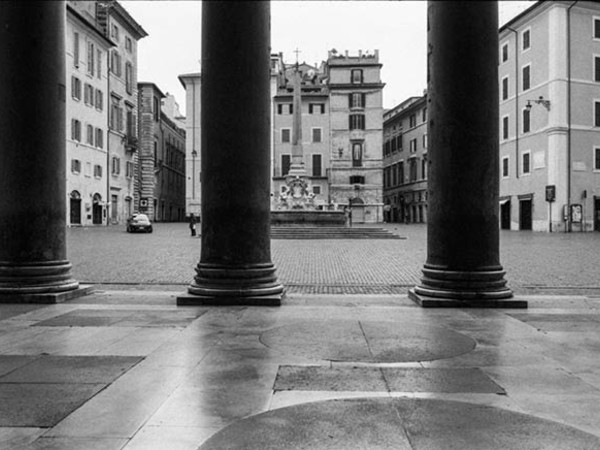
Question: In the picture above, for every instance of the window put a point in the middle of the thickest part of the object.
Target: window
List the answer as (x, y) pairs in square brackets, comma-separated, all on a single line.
[(526, 162), (526, 120), (400, 168), (316, 190), (597, 113), (597, 158), (394, 145), (424, 169), (129, 169), (91, 58), (116, 116), (399, 142), (357, 179), (315, 108), (76, 88), (505, 127), (99, 100), (75, 130), (412, 121), (99, 63), (75, 166), (290, 108), (393, 175), (116, 166), (90, 134), (526, 77), (413, 145), (596, 28), (285, 164), (596, 68), (115, 63), (356, 76), (76, 49), (412, 169), (316, 165), (285, 135), (526, 39), (356, 100), (505, 53), (130, 129), (128, 77), (88, 94), (357, 121), (114, 33), (98, 171), (504, 88), (155, 109), (357, 154), (424, 115), (99, 138), (316, 134), (280, 109), (128, 44), (424, 141), (505, 167)]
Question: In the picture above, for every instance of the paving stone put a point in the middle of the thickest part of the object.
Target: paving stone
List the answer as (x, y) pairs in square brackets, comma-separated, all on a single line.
[(41, 405), (8, 363), (52, 443), (468, 380), (123, 318), (71, 369), (319, 378), (399, 423)]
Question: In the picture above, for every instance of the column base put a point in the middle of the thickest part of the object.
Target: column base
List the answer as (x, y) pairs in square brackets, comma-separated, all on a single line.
[(217, 284), (46, 297), (483, 300)]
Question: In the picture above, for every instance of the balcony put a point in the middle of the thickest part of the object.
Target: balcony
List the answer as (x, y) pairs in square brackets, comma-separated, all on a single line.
[(131, 143)]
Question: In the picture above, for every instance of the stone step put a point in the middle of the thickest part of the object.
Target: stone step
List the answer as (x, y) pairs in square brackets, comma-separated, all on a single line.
[(307, 232)]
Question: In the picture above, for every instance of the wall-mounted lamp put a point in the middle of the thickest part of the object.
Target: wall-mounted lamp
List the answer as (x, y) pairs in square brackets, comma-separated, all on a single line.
[(540, 101)]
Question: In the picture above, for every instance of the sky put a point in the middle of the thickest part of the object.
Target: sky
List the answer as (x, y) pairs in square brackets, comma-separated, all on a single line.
[(396, 28)]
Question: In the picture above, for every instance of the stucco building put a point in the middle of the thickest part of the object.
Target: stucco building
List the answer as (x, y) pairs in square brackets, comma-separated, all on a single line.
[(191, 83), (161, 169), (549, 75), (405, 161), (87, 126), (341, 121)]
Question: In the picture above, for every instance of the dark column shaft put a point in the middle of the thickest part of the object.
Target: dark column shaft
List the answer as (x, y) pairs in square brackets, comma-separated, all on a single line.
[(235, 264), (32, 148), (463, 233)]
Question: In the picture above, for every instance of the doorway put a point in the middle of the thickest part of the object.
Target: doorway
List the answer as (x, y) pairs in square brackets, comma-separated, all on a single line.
[(97, 209), (114, 208), (75, 208), (525, 214), (505, 215), (596, 213)]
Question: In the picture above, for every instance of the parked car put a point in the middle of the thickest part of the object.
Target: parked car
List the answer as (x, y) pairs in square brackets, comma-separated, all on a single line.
[(139, 222)]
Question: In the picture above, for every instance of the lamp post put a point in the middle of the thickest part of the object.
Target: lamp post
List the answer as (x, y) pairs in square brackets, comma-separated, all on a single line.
[(194, 154)]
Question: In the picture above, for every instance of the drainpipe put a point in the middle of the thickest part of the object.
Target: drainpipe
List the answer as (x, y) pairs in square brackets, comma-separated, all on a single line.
[(516, 100), (107, 104), (568, 224)]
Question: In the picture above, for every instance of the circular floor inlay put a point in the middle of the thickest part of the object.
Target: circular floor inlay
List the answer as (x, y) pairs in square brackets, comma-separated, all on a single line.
[(368, 341), (397, 423)]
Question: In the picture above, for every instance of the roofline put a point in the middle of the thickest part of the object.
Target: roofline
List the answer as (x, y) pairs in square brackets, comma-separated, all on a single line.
[(188, 75), (154, 86), (92, 27), (130, 21), (521, 15)]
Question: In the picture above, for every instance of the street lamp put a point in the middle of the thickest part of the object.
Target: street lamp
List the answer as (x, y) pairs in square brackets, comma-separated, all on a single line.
[(540, 101)]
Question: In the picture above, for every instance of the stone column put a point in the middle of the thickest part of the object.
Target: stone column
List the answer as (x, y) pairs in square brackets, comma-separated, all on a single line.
[(33, 254), (235, 265), (463, 265)]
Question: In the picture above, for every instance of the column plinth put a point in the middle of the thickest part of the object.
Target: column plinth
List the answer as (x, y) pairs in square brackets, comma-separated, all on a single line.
[(463, 264), (235, 263), (33, 256)]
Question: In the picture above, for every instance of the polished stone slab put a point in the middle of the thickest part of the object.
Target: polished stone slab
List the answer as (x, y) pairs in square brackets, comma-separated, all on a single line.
[(398, 423), (71, 369), (14, 310), (8, 363), (123, 318), (54, 443), (49, 297), (41, 405), (384, 379), (368, 341)]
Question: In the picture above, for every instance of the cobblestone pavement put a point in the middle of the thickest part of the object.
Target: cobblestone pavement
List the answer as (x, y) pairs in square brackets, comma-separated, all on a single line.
[(555, 263)]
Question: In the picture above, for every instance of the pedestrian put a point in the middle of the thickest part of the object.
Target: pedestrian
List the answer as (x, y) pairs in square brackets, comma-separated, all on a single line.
[(193, 224)]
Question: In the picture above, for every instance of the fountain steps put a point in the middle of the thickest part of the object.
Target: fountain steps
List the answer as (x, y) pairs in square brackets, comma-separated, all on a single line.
[(324, 232)]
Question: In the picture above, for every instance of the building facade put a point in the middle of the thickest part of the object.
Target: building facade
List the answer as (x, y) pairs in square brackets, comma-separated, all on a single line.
[(161, 168), (87, 125), (549, 82), (341, 129), (191, 83), (405, 161)]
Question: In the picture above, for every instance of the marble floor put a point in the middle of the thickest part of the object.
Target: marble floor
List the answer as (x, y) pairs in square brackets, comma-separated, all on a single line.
[(131, 370)]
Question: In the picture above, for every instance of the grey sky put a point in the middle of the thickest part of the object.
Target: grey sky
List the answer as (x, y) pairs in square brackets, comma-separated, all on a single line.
[(396, 28)]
